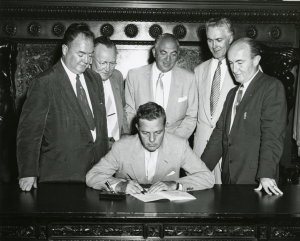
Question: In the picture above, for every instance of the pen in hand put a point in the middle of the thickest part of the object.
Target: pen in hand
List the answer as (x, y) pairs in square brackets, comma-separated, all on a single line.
[(144, 191), (109, 187)]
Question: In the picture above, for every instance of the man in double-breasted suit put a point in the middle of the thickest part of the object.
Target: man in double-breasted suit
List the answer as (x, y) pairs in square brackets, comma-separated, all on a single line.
[(250, 132), (104, 63), (213, 84), (150, 157), (163, 82), (62, 131)]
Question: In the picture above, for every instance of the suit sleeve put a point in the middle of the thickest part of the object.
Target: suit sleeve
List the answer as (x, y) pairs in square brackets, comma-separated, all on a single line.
[(31, 127), (105, 169), (188, 124), (130, 100), (198, 175), (213, 150), (273, 126)]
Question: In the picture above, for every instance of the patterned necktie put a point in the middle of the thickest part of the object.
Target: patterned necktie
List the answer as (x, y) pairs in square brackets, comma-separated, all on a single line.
[(215, 89), (112, 119), (82, 100), (238, 99), (159, 95)]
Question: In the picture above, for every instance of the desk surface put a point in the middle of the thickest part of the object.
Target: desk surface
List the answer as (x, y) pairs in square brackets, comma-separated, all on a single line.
[(77, 199)]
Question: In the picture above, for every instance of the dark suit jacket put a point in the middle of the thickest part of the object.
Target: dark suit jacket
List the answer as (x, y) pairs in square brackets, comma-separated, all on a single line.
[(117, 85), (54, 142), (254, 146)]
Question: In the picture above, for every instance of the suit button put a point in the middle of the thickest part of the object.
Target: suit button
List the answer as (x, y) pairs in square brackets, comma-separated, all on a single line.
[(230, 161), (229, 144)]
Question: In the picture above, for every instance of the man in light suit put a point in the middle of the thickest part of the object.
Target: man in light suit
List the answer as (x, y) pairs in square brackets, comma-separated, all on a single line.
[(62, 131), (150, 157), (250, 132), (213, 86), (166, 84), (104, 63)]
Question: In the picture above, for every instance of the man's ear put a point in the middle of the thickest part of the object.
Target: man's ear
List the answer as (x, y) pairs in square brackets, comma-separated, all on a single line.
[(64, 49), (230, 38), (153, 52), (256, 60), (137, 127)]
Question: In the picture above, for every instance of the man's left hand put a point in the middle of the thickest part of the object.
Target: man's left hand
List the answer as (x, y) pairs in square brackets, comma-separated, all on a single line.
[(162, 186), (269, 185)]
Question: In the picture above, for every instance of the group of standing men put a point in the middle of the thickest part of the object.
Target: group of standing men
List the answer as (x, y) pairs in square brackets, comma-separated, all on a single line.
[(71, 118)]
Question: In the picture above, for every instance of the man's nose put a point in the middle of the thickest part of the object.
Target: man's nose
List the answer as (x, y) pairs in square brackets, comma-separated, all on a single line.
[(107, 66), (152, 137), (86, 59)]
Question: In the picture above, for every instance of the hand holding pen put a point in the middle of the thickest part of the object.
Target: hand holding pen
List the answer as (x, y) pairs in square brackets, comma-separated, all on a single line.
[(139, 185)]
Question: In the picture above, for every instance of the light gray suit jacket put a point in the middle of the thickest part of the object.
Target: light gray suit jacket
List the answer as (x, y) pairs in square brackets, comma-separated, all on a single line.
[(182, 104), (206, 124), (117, 85), (127, 156)]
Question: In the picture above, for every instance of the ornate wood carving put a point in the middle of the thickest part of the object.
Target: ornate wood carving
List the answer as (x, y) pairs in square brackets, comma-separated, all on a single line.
[(97, 230), (131, 30), (10, 28), (195, 15), (180, 230), (107, 30), (155, 30), (285, 232), (34, 29), (251, 32), (58, 29), (154, 230), (274, 33), (17, 231)]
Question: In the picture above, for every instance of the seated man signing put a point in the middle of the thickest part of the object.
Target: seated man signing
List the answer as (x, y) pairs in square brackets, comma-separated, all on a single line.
[(152, 156)]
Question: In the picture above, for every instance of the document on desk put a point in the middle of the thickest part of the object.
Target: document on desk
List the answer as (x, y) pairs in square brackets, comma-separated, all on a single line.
[(171, 195)]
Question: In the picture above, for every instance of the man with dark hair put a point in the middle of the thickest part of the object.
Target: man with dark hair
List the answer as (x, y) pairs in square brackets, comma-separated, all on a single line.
[(62, 131), (250, 132), (166, 84), (152, 156), (213, 81), (104, 63)]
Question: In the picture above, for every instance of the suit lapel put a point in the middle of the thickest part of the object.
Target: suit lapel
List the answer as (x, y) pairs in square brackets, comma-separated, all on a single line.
[(174, 91), (229, 111), (206, 95), (68, 93), (245, 100), (147, 84), (116, 91), (138, 161), (94, 101)]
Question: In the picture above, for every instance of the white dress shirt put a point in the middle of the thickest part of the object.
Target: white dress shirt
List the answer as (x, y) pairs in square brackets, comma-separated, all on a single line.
[(224, 69), (72, 78), (166, 79), (110, 117), (244, 90)]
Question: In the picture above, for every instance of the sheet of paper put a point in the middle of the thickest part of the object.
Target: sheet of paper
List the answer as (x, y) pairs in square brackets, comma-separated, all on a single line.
[(176, 195), (171, 195), (148, 197)]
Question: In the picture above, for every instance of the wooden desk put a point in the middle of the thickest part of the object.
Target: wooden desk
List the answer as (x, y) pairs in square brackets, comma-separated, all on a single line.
[(74, 212)]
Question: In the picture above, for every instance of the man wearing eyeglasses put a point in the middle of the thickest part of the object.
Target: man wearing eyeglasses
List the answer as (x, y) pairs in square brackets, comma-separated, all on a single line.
[(104, 63)]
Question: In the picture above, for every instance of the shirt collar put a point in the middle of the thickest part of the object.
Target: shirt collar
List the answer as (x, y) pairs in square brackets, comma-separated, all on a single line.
[(156, 71), (69, 72)]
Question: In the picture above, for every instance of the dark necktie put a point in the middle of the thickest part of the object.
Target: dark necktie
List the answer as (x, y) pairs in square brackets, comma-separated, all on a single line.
[(215, 89), (238, 99), (82, 100)]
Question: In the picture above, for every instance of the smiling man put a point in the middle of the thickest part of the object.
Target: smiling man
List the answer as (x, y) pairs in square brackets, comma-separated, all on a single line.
[(250, 132), (62, 131), (166, 84), (213, 81), (152, 156)]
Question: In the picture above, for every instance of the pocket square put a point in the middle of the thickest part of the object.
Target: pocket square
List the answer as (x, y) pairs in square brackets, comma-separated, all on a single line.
[(181, 99), (171, 173)]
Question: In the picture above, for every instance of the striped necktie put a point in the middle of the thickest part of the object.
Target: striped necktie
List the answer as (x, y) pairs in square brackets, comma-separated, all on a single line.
[(112, 119), (82, 100), (159, 95), (215, 89)]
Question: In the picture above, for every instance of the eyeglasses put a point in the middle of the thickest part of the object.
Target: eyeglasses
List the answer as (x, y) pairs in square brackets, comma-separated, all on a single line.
[(102, 65)]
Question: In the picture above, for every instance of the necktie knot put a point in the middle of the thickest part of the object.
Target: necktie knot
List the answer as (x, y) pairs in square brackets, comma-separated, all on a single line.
[(77, 77), (219, 63)]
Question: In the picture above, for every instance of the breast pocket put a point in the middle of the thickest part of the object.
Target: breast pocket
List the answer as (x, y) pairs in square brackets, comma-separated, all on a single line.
[(251, 123)]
